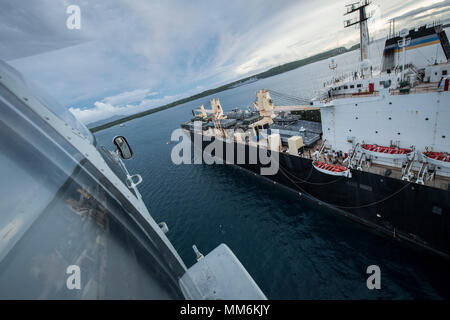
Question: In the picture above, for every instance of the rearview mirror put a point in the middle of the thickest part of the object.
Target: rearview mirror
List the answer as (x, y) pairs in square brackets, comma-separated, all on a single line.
[(123, 147)]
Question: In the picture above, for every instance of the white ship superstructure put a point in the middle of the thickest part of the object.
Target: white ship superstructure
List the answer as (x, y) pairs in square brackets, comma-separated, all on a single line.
[(406, 105)]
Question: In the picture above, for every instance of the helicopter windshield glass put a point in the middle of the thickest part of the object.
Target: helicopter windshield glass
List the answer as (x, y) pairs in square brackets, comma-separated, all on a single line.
[(61, 220), (60, 111)]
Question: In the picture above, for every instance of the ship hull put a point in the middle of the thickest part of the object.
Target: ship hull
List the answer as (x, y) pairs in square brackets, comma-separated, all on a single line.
[(415, 215)]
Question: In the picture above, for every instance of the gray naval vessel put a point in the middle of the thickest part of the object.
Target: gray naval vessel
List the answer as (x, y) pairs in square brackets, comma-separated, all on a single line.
[(73, 224)]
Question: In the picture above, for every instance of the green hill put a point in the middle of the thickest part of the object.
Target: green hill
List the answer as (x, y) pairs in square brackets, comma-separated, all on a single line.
[(269, 73)]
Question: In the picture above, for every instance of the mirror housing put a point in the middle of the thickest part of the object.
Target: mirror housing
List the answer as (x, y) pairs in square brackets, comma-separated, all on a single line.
[(123, 147)]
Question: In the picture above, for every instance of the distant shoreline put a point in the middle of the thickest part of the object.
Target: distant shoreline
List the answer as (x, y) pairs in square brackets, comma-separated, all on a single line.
[(266, 74)]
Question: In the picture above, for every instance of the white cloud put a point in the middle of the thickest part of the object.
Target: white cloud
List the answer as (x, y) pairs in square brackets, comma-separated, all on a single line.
[(100, 111), (129, 96), (177, 48), (114, 106)]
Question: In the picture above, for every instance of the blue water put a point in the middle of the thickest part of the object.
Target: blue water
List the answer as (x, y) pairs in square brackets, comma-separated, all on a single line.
[(292, 248)]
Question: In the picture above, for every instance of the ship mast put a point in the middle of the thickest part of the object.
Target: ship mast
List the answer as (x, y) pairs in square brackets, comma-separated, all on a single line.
[(363, 29)]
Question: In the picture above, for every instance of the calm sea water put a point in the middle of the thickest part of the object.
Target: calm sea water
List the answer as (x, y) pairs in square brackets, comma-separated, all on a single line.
[(293, 249)]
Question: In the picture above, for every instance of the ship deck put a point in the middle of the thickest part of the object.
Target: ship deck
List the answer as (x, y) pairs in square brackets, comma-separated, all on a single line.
[(440, 182), (419, 88)]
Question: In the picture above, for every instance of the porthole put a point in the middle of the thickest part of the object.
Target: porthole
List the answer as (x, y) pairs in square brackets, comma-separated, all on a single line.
[(398, 133), (390, 102), (376, 131), (443, 137), (390, 118), (426, 119)]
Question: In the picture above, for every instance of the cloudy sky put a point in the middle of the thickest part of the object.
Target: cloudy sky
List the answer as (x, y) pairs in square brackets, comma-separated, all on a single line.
[(131, 55)]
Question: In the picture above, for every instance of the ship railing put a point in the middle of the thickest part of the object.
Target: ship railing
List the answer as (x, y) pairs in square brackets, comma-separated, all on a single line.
[(352, 76), (418, 89), (435, 23), (354, 95)]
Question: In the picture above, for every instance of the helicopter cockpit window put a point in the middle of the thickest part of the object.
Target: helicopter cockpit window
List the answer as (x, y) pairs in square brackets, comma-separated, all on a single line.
[(65, 232), (59, 110)]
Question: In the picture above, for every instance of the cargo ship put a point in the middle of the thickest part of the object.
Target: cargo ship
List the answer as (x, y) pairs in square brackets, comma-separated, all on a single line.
[(373, 145)]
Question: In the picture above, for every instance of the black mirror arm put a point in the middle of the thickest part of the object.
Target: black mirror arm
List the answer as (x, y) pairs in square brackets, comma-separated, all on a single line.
[(122, 145)]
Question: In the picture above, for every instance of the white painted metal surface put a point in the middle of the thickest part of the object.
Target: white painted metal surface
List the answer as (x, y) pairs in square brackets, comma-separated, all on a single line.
[(220, 275), (387, 155), (421, 120), (345, 173), (436, 162)]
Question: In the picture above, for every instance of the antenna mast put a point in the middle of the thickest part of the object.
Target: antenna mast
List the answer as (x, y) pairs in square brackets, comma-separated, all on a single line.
[(362, 21)]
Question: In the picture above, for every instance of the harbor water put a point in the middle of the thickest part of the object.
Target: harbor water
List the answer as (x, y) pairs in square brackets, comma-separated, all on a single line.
[(294, 249)]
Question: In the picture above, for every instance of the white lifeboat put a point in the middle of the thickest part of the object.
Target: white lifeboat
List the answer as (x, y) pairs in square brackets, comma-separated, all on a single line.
[(386, 152), (441, 159), (332, 169)]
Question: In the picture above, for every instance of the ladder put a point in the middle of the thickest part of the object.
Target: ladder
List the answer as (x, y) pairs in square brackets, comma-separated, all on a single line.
[(360, 161), (353, 156), (407, 173), (422, 173), (317, 154)]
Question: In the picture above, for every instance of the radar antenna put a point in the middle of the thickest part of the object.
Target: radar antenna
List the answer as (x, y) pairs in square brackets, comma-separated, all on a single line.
[(362, 21), (333, 66)]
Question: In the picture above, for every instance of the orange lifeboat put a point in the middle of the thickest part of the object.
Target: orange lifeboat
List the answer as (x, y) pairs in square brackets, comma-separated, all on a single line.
[(441, 159), (332, 169), (386, 152)]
